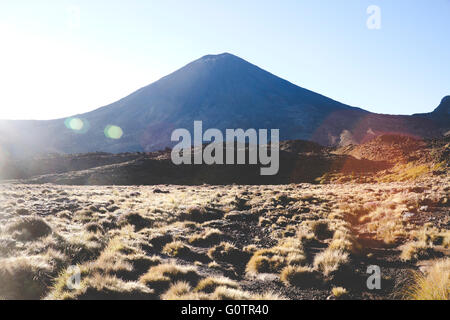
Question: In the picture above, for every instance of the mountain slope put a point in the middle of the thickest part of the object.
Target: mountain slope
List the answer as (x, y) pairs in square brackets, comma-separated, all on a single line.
[(223, 91)]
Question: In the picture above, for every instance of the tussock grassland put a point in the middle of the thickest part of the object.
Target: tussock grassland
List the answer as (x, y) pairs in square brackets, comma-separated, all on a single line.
[(298, 241)]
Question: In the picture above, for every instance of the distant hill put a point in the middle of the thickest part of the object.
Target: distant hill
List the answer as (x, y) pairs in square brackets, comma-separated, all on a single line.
[(390, 157), (392, 148), (300, 161), (224, 91)]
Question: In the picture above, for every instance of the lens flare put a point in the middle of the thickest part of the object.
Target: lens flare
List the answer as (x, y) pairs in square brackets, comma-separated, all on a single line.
[(75, 124), (113, 132)]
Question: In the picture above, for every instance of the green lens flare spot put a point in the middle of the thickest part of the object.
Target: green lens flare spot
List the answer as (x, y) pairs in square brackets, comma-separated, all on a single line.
[(113, 132), (74, 124)]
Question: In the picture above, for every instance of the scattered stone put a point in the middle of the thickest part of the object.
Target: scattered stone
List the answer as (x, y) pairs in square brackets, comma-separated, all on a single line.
[(23, 212), (160, 191)]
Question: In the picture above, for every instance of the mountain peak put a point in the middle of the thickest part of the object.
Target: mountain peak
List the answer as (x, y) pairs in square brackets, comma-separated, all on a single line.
[(445, 100), (221, 60), (221, 57), (218, 56), (444, 107)]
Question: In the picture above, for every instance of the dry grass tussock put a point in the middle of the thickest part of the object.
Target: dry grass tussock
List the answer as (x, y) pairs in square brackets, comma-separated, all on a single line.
[(29, 277), (287, 252), (331, 261), (29, 229), (434, 284)]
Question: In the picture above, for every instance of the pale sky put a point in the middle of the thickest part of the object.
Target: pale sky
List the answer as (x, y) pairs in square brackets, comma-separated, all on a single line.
[(60, 58)]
